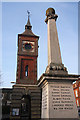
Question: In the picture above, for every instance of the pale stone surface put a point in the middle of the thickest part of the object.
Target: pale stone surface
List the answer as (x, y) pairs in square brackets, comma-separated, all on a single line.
[(58, 100), (45, 102), (54, 55)]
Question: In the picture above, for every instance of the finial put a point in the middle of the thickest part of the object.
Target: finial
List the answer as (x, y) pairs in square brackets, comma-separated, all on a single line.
[(28, 13), (28, 25)]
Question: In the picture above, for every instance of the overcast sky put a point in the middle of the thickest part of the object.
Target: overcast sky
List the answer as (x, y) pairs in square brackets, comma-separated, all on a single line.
[(14, 18)]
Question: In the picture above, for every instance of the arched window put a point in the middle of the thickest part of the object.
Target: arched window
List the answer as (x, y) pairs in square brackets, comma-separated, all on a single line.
[(26, 70)]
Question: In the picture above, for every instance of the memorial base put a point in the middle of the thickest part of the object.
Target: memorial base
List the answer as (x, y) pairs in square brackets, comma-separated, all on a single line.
[(58, 100)]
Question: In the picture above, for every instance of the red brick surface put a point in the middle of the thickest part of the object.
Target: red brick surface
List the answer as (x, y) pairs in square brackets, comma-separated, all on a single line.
[(27, 58), (76, 87)]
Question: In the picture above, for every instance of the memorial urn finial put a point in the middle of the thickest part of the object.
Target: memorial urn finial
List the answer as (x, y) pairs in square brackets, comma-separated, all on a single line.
[(50, 13)]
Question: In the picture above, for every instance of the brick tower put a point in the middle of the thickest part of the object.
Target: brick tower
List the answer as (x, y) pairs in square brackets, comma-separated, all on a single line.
[(27, 56), (26, 95)]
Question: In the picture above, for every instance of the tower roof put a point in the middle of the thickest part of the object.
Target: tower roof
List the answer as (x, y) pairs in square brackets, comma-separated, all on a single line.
[(28, 31), (28, 22)]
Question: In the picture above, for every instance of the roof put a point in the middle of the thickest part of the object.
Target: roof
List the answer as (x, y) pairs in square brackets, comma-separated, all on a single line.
[(28, 31)]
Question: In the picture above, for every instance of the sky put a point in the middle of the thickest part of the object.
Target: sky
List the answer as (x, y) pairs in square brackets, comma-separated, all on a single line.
[(14, 18), (79, 37)]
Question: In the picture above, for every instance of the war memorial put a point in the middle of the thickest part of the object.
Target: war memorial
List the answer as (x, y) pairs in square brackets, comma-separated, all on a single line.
[(58, 99), (52, 96)]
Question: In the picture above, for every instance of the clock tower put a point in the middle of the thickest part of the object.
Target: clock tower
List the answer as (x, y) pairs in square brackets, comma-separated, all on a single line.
[(27, 56)]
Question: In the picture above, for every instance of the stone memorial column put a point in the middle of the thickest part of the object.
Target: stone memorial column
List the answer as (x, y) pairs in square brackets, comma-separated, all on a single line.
[(58, 100)]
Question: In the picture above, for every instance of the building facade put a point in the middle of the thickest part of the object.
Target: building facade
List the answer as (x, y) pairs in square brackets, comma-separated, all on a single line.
[(5, 96), (76, 88)]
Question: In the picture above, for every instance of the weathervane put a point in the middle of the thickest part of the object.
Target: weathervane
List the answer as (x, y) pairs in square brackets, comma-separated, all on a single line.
[(28, 13)]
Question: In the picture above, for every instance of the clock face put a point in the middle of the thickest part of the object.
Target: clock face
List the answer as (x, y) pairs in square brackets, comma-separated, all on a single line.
[(28, 46)]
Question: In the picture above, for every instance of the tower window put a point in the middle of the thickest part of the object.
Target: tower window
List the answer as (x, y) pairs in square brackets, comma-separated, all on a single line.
[(26, 70), (76, 92)]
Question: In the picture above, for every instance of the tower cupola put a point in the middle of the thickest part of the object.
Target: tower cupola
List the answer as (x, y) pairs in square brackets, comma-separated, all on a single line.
[(28, 28), (28, 25)]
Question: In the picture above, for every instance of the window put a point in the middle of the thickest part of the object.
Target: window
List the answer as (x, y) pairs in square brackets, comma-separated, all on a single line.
[(10, 96), (76, 92), (75, 85), (79, 111), (8, 102), (79, 88), (26, 70), (15, 111), (1, 96), (77, 103), (23, 106)]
